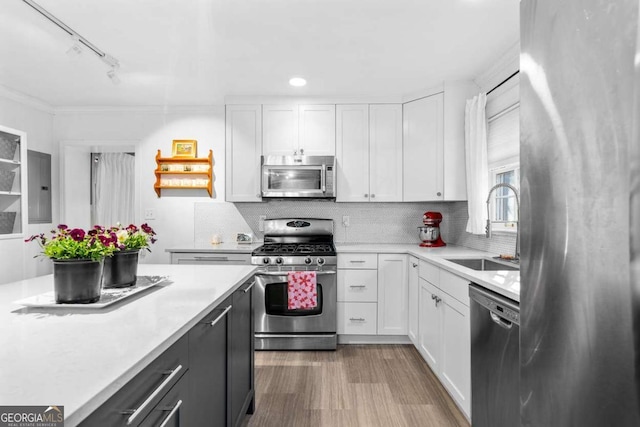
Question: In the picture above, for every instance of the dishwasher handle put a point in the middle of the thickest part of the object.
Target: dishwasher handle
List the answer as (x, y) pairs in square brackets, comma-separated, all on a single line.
[(501, 321)]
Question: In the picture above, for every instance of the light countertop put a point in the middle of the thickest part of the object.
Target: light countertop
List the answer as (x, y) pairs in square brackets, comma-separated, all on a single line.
[(80, 357), (506, 283)]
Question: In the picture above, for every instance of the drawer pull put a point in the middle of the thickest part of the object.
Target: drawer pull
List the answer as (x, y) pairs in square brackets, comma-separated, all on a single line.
[(249, 287), (357, 319), (357, 261), (136, 413), (213, 322), (212, 258), (172, 413), (357, 286)]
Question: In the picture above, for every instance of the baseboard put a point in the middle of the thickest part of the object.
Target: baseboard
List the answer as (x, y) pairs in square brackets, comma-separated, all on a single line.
[(373, 339)]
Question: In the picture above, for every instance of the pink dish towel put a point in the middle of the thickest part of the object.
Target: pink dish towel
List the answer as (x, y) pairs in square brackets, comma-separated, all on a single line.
[(302, 290)]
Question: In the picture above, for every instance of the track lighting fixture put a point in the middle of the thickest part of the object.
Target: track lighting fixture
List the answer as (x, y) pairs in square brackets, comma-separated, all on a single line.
[(80, 43)]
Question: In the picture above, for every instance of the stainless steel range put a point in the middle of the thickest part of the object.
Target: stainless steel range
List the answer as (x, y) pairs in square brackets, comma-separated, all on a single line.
[(292, 245)]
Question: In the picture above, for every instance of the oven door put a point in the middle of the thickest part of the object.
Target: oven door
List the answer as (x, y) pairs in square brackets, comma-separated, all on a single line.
[(295, 181), (273, 316)]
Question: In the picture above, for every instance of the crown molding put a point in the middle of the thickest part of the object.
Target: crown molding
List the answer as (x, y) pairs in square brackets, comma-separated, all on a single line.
[(309, 100), (507, 64), (26, 100), (151, 109)]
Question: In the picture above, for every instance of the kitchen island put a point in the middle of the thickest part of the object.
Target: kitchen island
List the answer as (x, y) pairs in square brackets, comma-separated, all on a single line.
[(80, 357)]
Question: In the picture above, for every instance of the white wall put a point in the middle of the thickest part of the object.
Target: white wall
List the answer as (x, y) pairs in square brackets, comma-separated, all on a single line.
[(17, 257), (154, 129)]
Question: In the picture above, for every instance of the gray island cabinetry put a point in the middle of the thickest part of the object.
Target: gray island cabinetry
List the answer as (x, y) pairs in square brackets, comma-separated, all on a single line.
[(204, 379)]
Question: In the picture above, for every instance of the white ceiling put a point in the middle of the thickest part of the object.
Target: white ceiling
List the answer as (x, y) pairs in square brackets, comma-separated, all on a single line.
[(196, 52)]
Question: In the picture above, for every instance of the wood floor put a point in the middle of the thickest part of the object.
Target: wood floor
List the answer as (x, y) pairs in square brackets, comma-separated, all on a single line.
[(357, 385)]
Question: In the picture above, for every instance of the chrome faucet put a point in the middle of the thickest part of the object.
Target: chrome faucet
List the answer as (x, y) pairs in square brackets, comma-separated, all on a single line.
[(488, 227)]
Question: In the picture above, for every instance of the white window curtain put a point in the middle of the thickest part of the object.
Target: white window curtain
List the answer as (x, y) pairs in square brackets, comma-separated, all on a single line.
[(113, 186), (475, 142)]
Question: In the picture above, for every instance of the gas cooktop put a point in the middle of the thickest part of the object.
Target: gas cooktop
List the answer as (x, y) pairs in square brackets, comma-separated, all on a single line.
[(293, 249)]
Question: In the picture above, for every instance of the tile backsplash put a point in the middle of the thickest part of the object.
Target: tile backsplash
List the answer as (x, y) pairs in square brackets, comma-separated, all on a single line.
[(369, 222)]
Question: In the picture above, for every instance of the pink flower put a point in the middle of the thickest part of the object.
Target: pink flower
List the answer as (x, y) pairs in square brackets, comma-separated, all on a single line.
[(145, 227), (62, 227)]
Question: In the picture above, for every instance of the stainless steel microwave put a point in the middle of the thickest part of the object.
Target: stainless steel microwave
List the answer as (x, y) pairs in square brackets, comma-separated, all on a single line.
[(299, 176)]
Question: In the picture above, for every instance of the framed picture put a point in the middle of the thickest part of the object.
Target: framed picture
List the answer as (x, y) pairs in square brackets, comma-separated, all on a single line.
[(184, 148)]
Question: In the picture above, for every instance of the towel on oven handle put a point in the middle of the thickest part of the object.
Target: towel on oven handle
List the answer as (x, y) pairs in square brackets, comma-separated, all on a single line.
[(302, 292)]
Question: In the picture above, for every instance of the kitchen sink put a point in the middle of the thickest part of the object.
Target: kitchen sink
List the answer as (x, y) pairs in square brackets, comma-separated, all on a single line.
[(485, 264)]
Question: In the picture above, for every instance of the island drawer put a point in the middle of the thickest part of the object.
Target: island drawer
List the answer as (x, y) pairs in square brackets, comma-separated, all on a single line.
[(136, 399)]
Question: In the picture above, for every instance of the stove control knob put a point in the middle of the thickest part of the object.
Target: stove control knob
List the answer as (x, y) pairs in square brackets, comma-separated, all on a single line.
[(266, 260), (320, 261), (307, 260), (279, 260)]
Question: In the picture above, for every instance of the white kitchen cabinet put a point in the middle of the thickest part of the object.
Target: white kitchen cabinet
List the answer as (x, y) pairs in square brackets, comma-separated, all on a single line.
[(357, 318), (456, 351), (369, 153), (444, 330), (392, 294), (352, 153), (358, 286), (317, 125), (357, 294), (414, 286), (290, 129), (430, 326), (423, 149), (243, 151), (434, 153)]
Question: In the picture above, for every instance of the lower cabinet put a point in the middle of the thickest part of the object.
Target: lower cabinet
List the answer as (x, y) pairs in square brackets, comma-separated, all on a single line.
[(208, 358), (392, 294), (205, 379), (444, 331), (413, 308), (143, 396), (240, 372), (221, 363)]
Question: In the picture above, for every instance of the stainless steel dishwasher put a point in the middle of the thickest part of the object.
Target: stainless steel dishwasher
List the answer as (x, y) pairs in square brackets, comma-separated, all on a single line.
[(495, 354)]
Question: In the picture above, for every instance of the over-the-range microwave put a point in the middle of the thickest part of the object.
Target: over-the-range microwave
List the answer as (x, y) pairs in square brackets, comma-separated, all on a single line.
[(299, 176)]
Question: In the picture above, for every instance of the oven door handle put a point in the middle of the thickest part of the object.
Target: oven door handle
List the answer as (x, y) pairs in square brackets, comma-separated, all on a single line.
[(280, 273)]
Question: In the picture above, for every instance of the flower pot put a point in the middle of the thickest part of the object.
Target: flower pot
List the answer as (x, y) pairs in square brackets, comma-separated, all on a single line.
[(77, 281), (120, 269)]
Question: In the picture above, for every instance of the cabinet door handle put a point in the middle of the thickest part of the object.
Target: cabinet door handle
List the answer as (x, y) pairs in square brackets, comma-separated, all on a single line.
[(136, 413), (172, 413), (373, 196), (438, 194), (366, 196), (414, 264), (357, 286), (213, 322), (249, 287), (212, 258), (356, 319)]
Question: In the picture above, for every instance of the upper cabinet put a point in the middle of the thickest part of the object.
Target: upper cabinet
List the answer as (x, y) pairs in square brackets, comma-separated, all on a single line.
[(306, 129), (243, 150), (423, 149), (13, 182), (369, 153), (434, 159)]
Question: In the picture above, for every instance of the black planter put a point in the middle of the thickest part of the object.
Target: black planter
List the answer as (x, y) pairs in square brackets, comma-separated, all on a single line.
[(120, 270), (77, 281)]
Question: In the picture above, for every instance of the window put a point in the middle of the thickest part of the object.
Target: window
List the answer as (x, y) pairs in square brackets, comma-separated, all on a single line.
[(503, 204)]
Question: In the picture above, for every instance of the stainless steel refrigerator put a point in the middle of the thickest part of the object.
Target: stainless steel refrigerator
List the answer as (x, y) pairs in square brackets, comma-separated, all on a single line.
[(580, 222)]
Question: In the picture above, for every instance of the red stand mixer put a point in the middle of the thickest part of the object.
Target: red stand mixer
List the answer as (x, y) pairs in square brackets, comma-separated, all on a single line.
[(430, 232)]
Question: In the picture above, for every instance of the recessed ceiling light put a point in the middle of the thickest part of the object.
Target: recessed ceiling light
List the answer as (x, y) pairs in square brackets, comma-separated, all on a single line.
[(297, 81)]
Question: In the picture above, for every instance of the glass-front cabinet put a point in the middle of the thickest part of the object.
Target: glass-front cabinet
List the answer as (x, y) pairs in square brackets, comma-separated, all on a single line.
[(13, 182)]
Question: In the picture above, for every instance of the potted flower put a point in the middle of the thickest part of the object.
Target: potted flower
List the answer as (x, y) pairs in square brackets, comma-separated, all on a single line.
[(121, 269), (78, 260)]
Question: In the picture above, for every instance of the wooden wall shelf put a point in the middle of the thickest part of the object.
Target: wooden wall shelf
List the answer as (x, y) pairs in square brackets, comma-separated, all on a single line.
[(171, 174)]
